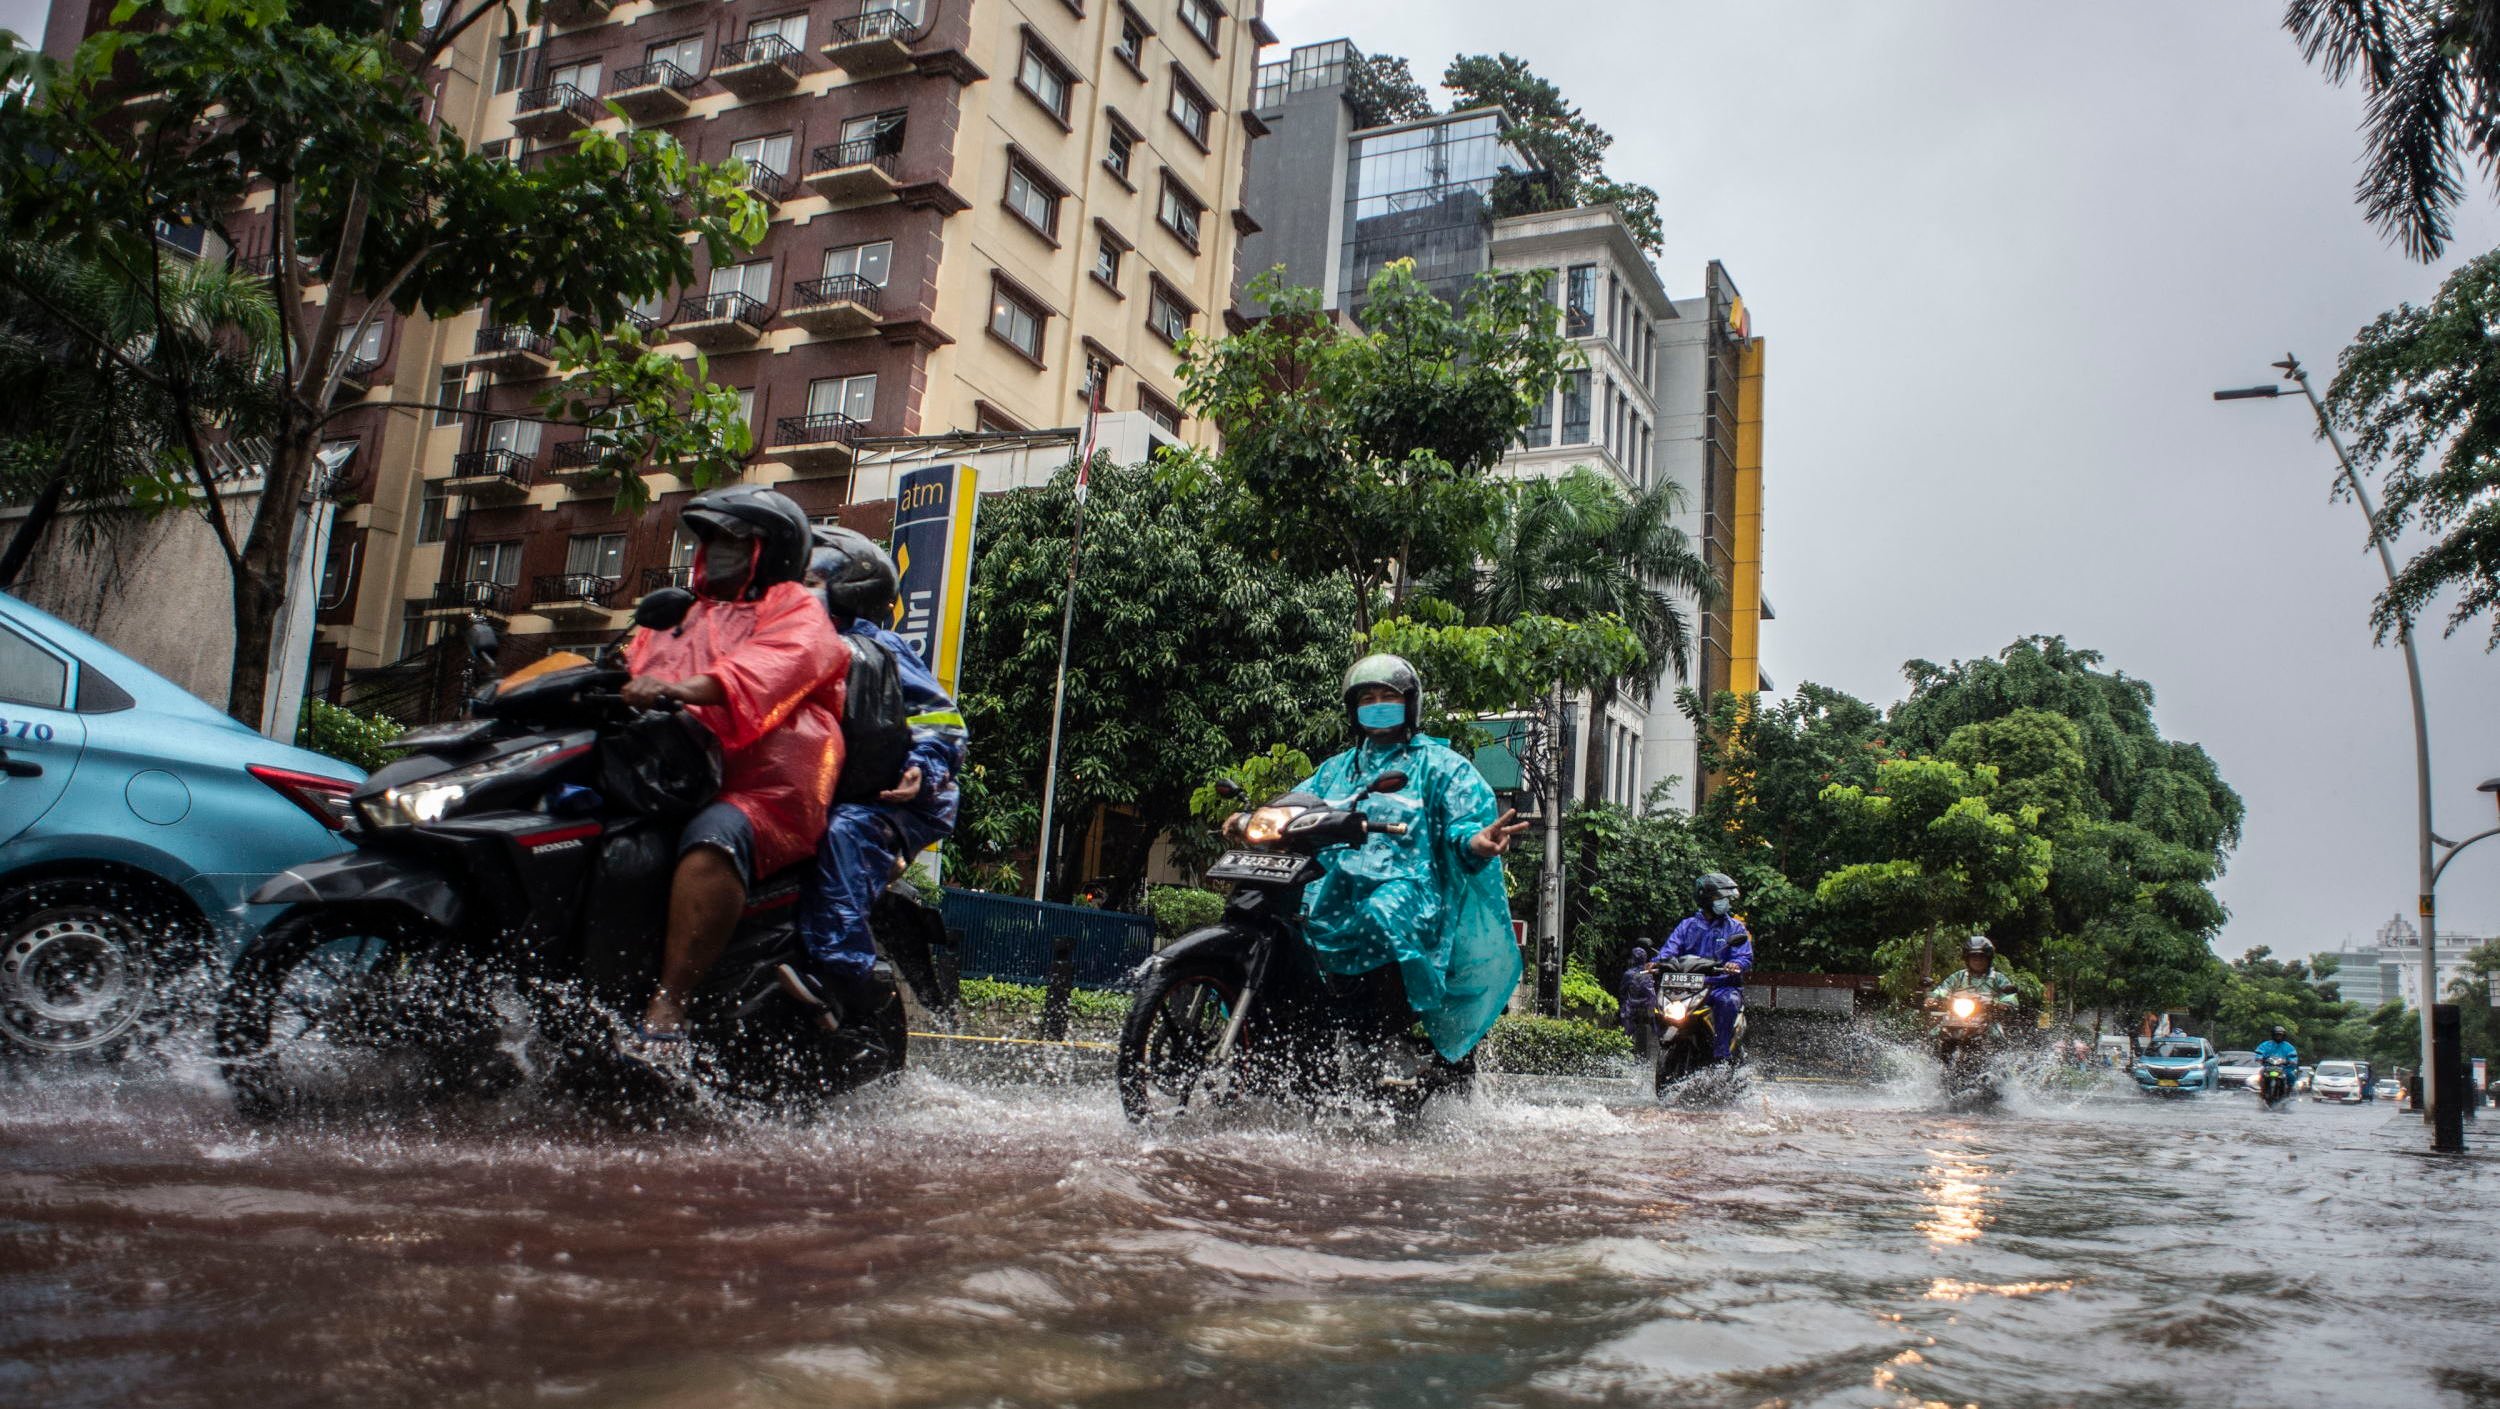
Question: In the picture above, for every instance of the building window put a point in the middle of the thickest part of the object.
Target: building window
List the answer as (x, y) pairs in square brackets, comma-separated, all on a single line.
[(447, 395), (1540, 429), (416, 630), (512, 61), (789, 29), (584, 77), (1016, 321), (764, 156), (1034, 197), (855, 397), (1575, 412), (1190, 108), (1109, 251), (1044, 78), (1096, 387), (1180, 212), (685, 54), (869, 263), (1119, 148), (1163, 413), (1199, 17), (434, 511), (1131, 49), (367, 349), (495, 562), (498, 150), (595, 555), (1580, 301), (753, 278), (887, 126), (1167, 314), (746, 407), (519, 437)]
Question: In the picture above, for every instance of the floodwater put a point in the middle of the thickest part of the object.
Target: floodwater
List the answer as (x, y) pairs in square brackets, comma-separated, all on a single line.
[(949, 1242)]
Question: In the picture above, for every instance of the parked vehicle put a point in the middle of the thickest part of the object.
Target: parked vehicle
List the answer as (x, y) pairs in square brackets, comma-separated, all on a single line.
[(1240, 1009), (511, 877), (2176, 1066), (1682, 1033), (2236, 1069), (135, 822), (2387, 1088), (2340, 1082), (2274, 1082)]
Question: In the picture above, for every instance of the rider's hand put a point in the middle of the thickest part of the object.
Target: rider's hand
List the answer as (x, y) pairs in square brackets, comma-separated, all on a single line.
[(905, 790), (1731, 968), (1496, 839), (645, 691)]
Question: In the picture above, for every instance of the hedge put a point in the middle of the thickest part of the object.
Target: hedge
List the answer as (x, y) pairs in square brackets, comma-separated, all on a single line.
[(1555, 1047)]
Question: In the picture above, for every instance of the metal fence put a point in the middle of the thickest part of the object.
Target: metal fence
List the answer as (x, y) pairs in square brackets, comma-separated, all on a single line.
[(1002, 937)]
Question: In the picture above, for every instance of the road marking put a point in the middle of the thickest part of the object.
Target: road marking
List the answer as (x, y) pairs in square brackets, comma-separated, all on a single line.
[(1016, 1041)]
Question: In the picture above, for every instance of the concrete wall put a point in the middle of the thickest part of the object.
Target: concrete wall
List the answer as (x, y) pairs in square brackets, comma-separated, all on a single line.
[(156, 588)]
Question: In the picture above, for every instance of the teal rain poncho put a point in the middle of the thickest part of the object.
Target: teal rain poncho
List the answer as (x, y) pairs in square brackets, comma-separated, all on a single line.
[(1422, 901)]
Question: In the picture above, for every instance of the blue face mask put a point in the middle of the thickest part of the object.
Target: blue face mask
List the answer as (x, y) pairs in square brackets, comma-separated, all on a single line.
[(1719, 907), (1387, 714)]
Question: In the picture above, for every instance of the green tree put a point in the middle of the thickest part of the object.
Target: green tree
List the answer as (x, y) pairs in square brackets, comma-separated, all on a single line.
[(2260, 992), (2431, 70), (1188, 656), (1383, 91), (2416, 388), (1368, 454), (1552, 131), (318, 113)]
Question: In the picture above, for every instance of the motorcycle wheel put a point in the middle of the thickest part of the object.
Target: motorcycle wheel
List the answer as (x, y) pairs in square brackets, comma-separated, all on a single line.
[(348, 1009), (1673, 1059), (1169, 1040)]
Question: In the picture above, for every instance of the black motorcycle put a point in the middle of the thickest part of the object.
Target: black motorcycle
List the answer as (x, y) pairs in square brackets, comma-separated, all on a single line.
[(2274, 1082), (1683, 1030), (503, 909), (1241, 1009), (1965, 1035)]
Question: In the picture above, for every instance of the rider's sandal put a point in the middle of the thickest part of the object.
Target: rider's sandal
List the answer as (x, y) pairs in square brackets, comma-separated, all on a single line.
[(665, 1055), (805, 995)]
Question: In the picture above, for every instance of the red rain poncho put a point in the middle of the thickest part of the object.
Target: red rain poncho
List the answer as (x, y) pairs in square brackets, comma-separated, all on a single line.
[(784, 668)]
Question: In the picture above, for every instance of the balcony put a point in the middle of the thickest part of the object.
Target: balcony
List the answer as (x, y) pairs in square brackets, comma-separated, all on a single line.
[(863, 171), (576, 464), (566, 14), (492, 475), (766, 66), (767, 185), (652, 92), (825, 443), (553, 110), (875, 44), (843, 306), (514, 351), (573, 598), (356, 375), (475, 595), (653, 579), (713, 321)]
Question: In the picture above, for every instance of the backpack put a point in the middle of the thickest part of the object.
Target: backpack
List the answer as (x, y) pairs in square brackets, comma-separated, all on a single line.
[(876, 724)]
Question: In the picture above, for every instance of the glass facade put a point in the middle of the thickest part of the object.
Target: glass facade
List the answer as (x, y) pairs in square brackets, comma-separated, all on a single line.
[(1425, 193)]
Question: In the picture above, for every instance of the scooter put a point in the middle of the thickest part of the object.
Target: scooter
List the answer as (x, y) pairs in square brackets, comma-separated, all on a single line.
[(1964, 1027), (2274, 1083), (1240, 1009), (502, 909), (1683, 1030)]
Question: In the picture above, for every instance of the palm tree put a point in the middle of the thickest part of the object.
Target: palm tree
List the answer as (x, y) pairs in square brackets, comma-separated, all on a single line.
[(2431, 70), (89, 418)]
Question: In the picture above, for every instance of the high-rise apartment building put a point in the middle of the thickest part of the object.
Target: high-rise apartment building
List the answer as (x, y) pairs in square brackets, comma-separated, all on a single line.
[(1670, 390)]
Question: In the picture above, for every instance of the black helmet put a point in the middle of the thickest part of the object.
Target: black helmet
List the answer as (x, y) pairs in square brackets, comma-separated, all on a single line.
[(2278, 1032), (1713, 886), (860, 579), (750, 511), (1392, 671), (1978, 944)]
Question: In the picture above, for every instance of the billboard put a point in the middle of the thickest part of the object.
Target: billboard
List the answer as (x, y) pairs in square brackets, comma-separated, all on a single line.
[(932, 547)]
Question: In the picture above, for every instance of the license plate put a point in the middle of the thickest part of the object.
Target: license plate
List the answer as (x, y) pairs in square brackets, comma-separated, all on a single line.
[(2165, 1081), (1255, 866)]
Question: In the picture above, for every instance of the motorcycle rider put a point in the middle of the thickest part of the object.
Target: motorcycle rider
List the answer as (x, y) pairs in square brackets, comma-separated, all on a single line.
[(1640, 995), (2280, 1045), (1978, 975), (756, 662), (1714, 932), (1421, 917), (867, 844)]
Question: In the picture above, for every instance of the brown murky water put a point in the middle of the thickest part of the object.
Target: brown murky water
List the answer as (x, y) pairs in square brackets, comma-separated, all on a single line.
[(950, 1243)]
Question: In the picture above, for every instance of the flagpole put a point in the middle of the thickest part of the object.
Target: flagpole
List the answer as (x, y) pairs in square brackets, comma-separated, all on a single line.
[(1067, 626)]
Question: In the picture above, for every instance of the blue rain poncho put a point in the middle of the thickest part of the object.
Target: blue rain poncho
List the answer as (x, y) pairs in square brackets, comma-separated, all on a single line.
[(1422, 901)]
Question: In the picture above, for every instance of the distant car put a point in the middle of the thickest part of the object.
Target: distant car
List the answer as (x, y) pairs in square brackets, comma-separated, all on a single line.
[(2236, 1068), (2387, 1088), (134, 821), (2176, 1066), (2340, 1082)]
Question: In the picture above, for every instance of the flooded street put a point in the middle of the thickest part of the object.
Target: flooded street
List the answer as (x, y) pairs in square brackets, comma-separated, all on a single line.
[(954, 1243)]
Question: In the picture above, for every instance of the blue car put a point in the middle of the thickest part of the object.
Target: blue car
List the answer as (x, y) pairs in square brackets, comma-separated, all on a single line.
[(2177, 1066), (134, 821)]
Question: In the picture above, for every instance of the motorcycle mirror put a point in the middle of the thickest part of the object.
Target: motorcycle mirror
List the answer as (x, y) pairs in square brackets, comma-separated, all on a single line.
[(1226, 788), (1388, 783), (664, 608), (484, 644)]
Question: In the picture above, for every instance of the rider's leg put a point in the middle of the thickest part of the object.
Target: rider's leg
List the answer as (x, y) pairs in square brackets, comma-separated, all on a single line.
[(705, 898), (1725, 1004)]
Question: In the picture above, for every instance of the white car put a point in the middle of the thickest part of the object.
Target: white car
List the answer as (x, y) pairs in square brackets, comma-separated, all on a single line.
[(2237, 1069), (2337, 1081)]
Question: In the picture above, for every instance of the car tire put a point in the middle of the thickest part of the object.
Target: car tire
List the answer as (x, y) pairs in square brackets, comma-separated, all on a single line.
[(86, 965)]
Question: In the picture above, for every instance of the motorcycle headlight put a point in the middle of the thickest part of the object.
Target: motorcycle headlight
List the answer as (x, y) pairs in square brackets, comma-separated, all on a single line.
[(1679, 1010), (1267, 825), (1965, 1006), (431, 799)]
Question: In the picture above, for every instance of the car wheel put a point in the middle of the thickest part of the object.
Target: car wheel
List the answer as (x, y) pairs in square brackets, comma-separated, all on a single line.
[(83, 964)]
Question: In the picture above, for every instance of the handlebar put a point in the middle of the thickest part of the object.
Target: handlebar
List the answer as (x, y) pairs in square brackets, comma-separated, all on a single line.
[(1395, 829)]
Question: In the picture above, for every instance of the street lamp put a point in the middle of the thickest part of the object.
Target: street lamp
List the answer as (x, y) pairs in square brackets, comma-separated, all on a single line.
[(2430, 864)]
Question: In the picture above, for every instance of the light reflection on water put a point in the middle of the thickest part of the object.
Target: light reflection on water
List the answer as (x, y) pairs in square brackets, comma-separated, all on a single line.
[(949, 1244)]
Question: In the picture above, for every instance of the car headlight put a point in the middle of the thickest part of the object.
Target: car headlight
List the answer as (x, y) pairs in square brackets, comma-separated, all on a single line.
[(1267, 824), (431, 799)]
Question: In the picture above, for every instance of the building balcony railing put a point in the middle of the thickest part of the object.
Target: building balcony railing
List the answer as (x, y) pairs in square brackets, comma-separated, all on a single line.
[(721, 320), (766, 66), (862, 171), (824, 442), (572, 594), (769, 186), (474, 595), (877, 41), (652, 92), (356, 373), (493, 473), (578, 463), (653, 579), (838, 306), (514, 350), (552, 109)]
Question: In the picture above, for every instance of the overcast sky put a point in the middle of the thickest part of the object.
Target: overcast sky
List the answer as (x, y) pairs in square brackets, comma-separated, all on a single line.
[(2003, 255)]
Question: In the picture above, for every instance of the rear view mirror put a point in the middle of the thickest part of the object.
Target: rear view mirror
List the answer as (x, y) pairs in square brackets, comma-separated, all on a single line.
[(1388, 783), (663, 609), (1226, 788), (484, 644)]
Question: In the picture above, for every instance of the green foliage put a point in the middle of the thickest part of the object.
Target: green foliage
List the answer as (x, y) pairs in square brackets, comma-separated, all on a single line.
[(1367, 455), (1550, 129), (1382, 90), (2259, 992), (1026, 1000), (626, 397), (2415, 388), (1177, 910), (2430, 70), (1187, 657), (1477, 670), (343, 734), (1583, 997), (1555, 1047), (1259, 777)]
